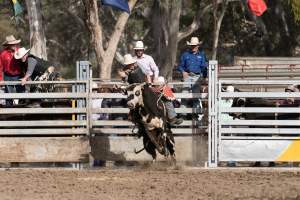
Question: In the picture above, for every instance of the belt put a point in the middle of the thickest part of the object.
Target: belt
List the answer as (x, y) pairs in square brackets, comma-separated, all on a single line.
[(7, 74), (194, 74)]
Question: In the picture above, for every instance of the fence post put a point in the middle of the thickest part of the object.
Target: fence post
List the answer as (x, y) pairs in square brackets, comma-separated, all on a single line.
[(83, 73), (90, 101), (213, 114)]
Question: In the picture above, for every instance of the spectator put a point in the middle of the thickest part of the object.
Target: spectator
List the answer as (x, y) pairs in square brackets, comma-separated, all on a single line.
[(291, 100), (11, 68), (97, 103), (227, 103), (193, 66), (145, 62)]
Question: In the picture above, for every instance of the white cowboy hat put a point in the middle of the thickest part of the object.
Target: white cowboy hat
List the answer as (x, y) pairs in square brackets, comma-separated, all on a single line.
[(159, 81), (94, 85), (229, 88), (139, 45), (10, 40), (292, 88), (20, 53), (128, 59), (194, 41)]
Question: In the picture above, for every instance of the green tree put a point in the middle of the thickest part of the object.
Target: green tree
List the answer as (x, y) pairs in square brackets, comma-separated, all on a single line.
[(295, 4)]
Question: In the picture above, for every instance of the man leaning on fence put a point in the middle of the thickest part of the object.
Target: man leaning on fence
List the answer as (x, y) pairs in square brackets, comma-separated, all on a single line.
[(193, 66), (35, 66)]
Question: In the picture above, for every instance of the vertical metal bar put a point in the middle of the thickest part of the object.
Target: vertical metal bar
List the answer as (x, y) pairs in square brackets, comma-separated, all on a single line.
[(219, 100), (78, 77), (217, 117), (210, 114), (214, 70), (89, 99), (213, 128)]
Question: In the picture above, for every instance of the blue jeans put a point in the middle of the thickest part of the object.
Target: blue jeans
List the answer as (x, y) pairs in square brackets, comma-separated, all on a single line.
[(194, 88), (170, 109), (12, 88)]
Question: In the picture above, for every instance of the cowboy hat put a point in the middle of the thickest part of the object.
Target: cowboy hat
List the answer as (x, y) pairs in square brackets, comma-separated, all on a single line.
[(94, 85), (139, 45), (9, 40), (128, 59), (159, 81), (292, 88), (229, 88), (194, 41), (20, 53)]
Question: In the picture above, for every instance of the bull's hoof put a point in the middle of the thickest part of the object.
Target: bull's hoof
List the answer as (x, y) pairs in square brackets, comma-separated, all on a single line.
[(173, 160)]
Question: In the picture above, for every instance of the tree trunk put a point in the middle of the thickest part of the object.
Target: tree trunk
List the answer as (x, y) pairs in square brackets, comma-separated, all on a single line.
[(173, 29), (37, 35), (217, 26), (165, 23), (104, 57)]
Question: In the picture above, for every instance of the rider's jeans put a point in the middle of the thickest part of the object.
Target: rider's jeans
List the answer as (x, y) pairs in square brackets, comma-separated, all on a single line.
[(170, 109)]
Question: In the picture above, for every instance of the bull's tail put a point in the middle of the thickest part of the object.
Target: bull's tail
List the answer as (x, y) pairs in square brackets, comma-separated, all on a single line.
[(139, 151)]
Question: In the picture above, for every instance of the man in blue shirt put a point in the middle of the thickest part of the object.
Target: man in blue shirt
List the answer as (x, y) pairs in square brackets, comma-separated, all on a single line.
[(193, 66)]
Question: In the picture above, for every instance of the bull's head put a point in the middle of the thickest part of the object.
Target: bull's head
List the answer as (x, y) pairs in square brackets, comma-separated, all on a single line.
[(135, 95)]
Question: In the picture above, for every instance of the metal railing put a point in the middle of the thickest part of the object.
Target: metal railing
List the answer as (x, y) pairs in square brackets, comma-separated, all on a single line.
[(76, 118), (265, 132), (49, 119), (120, 125)]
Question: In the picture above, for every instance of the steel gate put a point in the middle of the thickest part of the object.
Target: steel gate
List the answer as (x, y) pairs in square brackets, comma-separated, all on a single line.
[(270, 133)]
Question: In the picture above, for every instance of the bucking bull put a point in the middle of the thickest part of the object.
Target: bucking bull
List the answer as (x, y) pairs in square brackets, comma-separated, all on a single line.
[(148, 112)]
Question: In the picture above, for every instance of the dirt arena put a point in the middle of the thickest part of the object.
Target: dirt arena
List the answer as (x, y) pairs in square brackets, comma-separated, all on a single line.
[(149, 183)]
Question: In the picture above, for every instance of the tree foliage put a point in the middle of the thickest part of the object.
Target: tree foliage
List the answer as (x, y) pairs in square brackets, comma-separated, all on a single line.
[(68, 39), (295, 4)]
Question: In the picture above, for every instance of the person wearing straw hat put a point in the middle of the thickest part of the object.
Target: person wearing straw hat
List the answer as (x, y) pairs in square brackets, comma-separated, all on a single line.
[(131, 73), (145, 62), (10, 68), (160, 87), (193, 66), (35, 67)]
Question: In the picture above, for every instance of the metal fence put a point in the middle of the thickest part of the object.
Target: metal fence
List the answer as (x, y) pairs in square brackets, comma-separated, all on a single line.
[(63, 127), (261, 68), (58, 111), (266, 133)]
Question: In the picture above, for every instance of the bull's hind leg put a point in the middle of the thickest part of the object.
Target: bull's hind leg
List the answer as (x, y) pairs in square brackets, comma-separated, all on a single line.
[(171, 146), (149, 147)]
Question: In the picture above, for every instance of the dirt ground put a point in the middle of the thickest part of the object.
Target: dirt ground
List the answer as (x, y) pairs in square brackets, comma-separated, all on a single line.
[(149, 183)]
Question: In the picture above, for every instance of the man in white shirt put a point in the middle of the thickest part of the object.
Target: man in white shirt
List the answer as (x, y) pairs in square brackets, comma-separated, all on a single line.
[(145, 62)]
